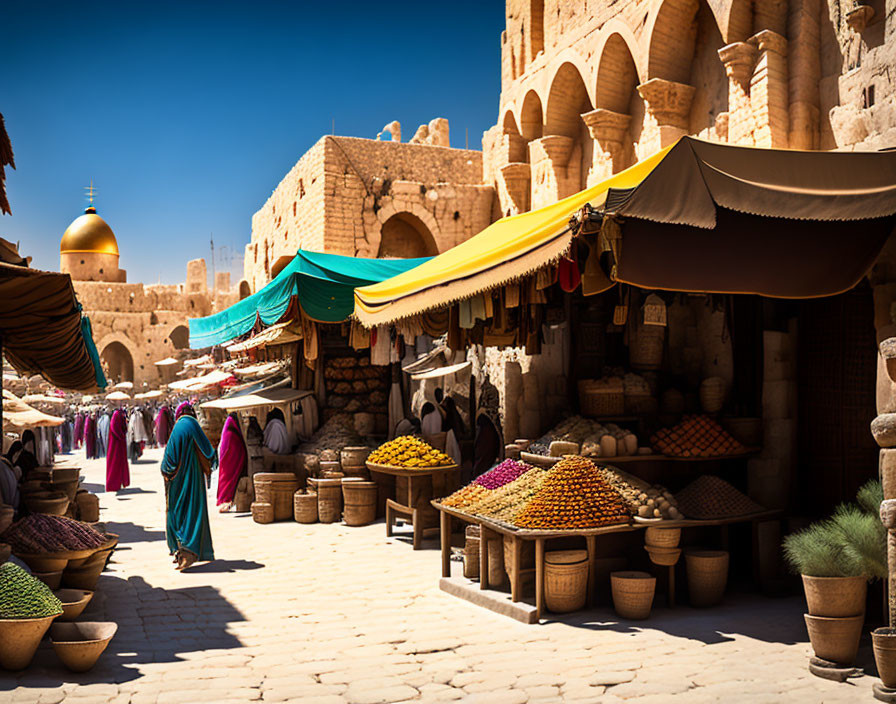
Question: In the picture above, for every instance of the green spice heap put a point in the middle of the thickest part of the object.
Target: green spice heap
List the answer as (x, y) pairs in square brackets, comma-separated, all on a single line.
[(23, 596)]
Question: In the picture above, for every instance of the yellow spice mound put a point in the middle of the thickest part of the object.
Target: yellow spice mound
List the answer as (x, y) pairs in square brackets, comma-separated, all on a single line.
[(410, 453)]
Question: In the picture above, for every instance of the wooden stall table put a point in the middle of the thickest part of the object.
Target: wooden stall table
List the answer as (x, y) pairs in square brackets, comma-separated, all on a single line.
[(492, 530), (414, 490)]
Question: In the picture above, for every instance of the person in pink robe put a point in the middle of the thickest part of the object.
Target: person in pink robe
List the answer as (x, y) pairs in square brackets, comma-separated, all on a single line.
[(163, 426), (117, 474), (233, 461), (90, 438)]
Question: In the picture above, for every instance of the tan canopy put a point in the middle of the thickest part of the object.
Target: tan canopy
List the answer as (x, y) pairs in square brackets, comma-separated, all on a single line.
[(18, 415)]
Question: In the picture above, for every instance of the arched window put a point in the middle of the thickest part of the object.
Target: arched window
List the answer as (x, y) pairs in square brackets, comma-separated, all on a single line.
[(118, 361), (180, 337), (405, 235)]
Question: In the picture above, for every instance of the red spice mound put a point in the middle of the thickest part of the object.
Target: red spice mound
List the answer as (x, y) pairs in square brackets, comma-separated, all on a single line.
[(696, 436), (40, 533)]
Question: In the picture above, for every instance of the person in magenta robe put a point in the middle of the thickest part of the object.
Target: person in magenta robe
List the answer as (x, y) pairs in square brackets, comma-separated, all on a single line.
[(163, 426), (90, 438), (233, 461), (117, 474), (79, 429)]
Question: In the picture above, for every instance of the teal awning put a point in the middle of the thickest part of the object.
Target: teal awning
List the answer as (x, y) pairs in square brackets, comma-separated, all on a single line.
[(323, 285)]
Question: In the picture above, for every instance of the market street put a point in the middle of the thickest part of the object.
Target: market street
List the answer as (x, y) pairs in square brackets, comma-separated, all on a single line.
[(326, 613)]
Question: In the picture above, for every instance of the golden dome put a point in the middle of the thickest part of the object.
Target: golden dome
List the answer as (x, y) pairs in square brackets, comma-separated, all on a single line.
[(89, 233)]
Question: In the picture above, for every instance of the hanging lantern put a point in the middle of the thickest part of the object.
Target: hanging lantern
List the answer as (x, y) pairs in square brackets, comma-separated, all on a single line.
[(654, 310)]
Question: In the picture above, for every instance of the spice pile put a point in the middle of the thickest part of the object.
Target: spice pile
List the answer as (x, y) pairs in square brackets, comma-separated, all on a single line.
[(696, 436), (410, 453), (502, 474), (41, 533), (23, 596), (709, 497), (643, 499), (338, 432), (573, 496)]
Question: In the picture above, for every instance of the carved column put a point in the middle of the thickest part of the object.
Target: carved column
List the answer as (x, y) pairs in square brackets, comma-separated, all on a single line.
[(769, 93), (608, 129), (739, 60), (804, 66), (669, 106), (549, 157), (517, 177)]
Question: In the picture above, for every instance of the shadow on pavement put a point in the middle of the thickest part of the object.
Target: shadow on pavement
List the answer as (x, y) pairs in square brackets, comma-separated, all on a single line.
[(155, 625), (217, 566), (133, 533)]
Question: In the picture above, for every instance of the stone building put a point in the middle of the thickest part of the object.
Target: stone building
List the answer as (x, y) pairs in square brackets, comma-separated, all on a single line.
[(134, 325), (587, 89)]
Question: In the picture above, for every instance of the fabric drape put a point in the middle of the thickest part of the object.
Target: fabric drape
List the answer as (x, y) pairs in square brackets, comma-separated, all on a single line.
[(186, 466), (118, 475)]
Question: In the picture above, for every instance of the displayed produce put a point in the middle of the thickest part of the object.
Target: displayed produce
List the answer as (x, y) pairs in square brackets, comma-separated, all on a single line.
[(410, 453), (573, 496), (696, 436), (505, 503), (642, 498), (466, 497), (338, 432), (42, 533), (502, 474), (23, 596), (709, 497), (592, 438)]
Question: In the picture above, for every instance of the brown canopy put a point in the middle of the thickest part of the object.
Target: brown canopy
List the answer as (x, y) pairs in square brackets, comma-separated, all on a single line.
[(726, 219), (41, 328)]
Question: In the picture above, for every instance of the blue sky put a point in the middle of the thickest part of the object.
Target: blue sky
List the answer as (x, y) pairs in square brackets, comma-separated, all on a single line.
[(186, 115)]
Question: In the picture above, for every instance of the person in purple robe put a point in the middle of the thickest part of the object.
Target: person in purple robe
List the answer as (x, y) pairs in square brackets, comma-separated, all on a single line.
[(163, 425), (233, 462), (118, 475), (90, 437), (79, 429)]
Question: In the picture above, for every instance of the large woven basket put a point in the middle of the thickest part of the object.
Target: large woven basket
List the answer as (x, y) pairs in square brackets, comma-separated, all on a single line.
[(597, 401), (662, 537), (632, 593), (707, 576), (359, 500), (305, 507), (329, 500), (471, 552), (565, 580)]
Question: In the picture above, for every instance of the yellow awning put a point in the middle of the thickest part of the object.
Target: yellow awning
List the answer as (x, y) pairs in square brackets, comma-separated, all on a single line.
[(503, 252)]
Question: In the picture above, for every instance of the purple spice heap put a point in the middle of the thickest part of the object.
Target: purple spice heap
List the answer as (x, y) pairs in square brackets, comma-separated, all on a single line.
[(504, 473)]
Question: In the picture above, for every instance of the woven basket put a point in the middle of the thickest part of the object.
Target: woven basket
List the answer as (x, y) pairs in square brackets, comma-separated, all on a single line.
[(88, 506), (632, 593), (282, 492), (471, 557), (662, 537), (262, 512), (712, 394), (354, 456), (646, 348), (707, 576), (598, 402), (565, 580), (359, 498), (665, 557), (329, 500), (305, 507)]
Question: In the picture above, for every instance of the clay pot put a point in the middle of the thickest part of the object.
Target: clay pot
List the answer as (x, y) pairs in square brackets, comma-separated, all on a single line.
[(65, 474), (19, 638), (883, 640), (47, 562), (54, 503), (663, 556), (74, 601), (84, 577), (835, 597), (6, 516), (51, 579), (835, 639), (79, 645), (69, 488)]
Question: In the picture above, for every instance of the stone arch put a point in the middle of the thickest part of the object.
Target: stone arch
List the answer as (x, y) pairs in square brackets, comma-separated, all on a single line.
[(509, 123), (736, 21), (117, 356), (180, 337), (244, 289), (387, 211), (280, 265), (617, 74), (567, 99), (404, 235), (531, 116), (671, 37)]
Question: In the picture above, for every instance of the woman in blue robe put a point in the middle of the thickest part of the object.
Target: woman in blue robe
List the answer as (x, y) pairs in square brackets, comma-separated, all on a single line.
[(186, 467)]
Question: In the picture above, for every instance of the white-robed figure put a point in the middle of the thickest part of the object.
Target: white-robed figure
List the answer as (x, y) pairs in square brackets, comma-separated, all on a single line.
[(276, 437)]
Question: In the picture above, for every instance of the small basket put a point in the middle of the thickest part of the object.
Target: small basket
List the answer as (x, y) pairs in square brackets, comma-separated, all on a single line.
[(707, 576), (565, 580), (262, 512), (662, 537), (305, 507), (471, 557), (632, 594), (665, 557)]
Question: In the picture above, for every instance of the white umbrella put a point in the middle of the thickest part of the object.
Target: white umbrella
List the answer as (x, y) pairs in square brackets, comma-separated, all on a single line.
[(118, 396)]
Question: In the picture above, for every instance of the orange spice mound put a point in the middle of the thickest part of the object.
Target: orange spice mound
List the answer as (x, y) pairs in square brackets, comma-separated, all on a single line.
[(574, 496), (696, 436)]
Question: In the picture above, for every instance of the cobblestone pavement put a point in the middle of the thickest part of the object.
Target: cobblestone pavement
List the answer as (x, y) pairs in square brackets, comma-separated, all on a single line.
[(326, 614)]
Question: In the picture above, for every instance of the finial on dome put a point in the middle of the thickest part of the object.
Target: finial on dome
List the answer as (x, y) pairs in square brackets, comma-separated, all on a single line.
[(90, 191)]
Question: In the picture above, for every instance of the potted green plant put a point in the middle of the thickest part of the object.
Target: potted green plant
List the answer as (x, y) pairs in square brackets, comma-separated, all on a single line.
[(836, 558)]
